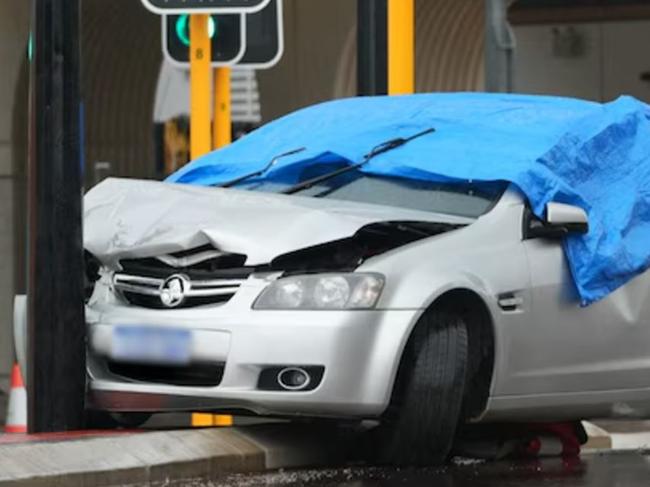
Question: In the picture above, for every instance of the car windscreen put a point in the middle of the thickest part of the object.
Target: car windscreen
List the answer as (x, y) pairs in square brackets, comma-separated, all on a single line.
[(466, 199)]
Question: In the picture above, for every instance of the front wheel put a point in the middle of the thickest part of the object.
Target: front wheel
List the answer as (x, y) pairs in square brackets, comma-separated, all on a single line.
[(419, 426)]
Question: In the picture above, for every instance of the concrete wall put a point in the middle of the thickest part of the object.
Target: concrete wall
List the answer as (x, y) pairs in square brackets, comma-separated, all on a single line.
[(539, 70), (121, 55), (592, 60), (14, 28)]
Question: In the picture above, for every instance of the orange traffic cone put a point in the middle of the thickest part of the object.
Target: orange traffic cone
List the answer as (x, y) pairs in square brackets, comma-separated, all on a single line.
[(17, 410)]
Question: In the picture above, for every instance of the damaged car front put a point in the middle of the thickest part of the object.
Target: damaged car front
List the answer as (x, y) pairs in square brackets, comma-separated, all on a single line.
[(228, 299)]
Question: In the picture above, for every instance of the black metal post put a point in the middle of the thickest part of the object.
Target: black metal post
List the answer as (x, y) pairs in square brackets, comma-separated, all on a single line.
[(499, 47), (372, 45), (56, 327)]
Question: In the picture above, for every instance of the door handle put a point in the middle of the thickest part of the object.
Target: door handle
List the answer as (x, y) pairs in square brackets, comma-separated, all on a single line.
[(510, 302)]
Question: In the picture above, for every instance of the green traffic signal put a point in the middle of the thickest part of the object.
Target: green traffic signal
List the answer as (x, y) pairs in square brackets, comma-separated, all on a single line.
[(30, 47), (183, 28)]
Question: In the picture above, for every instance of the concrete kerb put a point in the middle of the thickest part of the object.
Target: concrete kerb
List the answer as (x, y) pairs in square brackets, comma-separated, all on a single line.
[(159, 457), (599, 438), (167, 456), (618, 435)]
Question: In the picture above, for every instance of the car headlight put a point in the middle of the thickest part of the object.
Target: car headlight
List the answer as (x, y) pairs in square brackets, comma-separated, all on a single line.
[(322, 291)]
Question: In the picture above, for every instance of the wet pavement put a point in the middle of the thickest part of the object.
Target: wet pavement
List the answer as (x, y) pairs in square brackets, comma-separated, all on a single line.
[(620, 469)]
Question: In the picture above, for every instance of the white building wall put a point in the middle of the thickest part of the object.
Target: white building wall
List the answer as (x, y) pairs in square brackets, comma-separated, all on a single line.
[(14, 28), (596, 61), (626, 57)]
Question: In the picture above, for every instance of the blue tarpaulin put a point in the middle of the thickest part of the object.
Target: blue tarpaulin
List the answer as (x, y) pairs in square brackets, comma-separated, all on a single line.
[(593, 155)]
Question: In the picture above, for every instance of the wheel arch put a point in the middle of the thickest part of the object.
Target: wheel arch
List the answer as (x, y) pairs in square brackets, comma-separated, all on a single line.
[(482, 344)]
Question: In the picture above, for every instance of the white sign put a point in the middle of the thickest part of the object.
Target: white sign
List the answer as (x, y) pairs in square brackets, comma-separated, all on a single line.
[(163, 7)]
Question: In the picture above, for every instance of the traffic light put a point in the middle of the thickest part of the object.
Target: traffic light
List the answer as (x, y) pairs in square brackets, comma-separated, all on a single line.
[(182, 28), (226, 32), (264, 37), (254, 40)]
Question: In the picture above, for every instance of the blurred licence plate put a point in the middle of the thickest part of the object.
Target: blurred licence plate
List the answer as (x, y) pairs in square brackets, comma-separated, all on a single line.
[(151, 345)]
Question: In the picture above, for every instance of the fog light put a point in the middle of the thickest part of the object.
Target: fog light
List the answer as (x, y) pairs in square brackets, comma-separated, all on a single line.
[(293, 378)]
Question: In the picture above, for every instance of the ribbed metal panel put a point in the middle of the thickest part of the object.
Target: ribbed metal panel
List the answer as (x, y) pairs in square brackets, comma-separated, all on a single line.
[(449, 45), (448, 52), (121, 60)]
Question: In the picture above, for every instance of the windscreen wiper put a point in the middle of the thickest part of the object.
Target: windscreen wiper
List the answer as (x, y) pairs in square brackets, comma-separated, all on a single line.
[(380, 149), (241, 179)]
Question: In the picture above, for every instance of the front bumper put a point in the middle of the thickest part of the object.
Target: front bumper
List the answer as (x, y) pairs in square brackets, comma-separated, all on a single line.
[(360, 351)]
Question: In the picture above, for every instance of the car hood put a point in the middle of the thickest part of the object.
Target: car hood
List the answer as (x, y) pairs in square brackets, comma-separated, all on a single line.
[(136, 218)]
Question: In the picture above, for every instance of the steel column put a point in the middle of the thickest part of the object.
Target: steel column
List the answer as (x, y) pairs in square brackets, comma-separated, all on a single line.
[(372, 45), (56, 375), (499, 47)]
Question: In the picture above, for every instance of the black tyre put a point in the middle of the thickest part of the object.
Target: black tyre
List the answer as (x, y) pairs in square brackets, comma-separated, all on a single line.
[(419, 426)]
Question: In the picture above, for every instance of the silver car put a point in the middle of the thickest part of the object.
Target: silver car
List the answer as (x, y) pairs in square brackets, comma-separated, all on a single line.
[(423, 305)]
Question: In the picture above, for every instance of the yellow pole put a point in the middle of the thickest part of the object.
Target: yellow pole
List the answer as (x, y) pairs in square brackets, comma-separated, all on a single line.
[(222, 126), (222, 136), (401, 47), (200, 136), (200, 72)]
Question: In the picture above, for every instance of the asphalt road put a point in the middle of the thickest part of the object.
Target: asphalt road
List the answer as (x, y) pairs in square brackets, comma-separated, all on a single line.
[(628, 469)]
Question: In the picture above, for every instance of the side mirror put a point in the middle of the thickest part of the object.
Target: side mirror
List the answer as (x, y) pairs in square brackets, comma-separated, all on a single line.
[(560, 220), (573, 218)]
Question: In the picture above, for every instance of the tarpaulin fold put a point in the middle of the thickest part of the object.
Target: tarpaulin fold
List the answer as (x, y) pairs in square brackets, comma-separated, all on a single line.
[(593, 155)]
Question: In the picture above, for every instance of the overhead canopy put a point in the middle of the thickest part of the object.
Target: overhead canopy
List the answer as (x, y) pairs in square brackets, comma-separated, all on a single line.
[(593, 155)]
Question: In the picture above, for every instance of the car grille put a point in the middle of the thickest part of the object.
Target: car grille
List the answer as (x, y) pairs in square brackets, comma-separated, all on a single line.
[(210, 277), (197, 375), (146, 291)]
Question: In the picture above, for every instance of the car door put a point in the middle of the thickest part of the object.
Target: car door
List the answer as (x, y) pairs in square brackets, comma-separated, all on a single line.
[(561, 347)]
